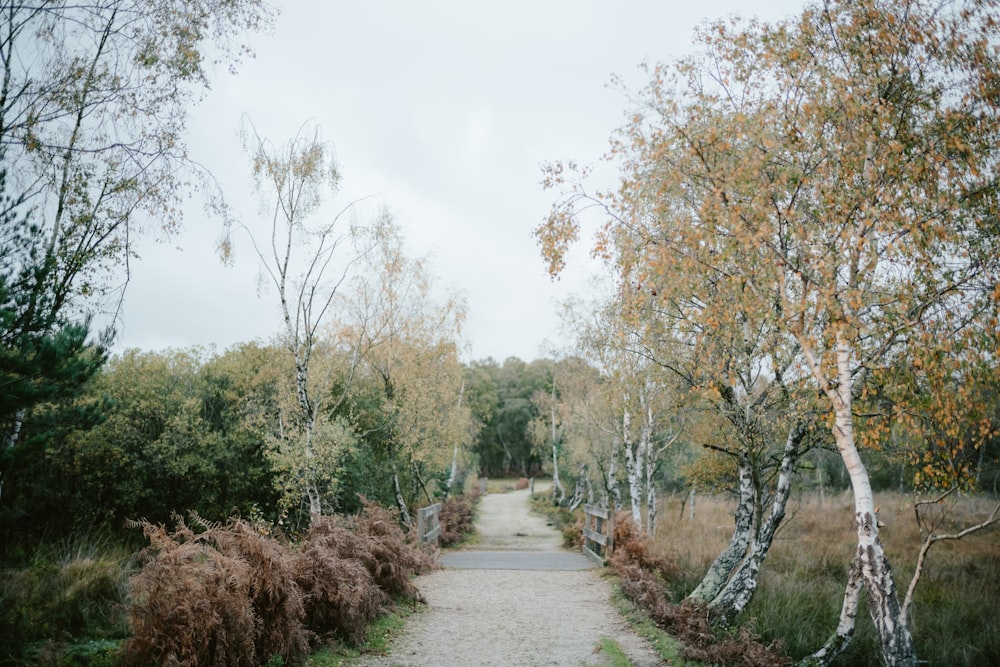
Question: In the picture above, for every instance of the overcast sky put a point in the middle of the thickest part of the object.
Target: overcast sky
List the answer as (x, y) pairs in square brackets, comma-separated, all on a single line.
[(444, 111)]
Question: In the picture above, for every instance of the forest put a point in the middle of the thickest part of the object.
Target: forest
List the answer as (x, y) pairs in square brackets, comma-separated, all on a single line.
[(800, 300)]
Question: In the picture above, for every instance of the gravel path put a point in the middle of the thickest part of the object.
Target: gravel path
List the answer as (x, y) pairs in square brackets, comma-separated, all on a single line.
[(515, 617)]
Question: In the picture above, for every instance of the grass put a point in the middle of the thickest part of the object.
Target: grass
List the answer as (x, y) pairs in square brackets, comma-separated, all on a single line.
[(65, 603), (955, 613), (378, 640), (616, 656), (665, 646)]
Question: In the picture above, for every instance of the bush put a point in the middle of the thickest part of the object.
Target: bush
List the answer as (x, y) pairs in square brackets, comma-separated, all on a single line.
[(192, 604), (457, 513), (340, 594), (274, 593), (390, 558), (59, 599), (351, 567)]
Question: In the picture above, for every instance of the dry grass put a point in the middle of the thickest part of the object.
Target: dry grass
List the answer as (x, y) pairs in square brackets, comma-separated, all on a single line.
[(647, 577), (955, 612)]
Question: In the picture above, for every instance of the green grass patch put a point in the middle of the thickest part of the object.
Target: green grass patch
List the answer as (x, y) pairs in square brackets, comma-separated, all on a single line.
[(616, 656), (378, 640), (665, 646)]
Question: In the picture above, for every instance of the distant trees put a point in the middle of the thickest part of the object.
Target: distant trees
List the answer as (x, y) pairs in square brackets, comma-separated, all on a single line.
[(500, 397)]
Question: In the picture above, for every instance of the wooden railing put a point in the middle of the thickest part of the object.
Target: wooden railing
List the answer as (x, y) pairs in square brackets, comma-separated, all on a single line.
[(429, 524), (598, 533)]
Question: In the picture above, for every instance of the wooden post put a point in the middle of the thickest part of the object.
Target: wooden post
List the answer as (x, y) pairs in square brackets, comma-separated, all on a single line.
[(429, 525)]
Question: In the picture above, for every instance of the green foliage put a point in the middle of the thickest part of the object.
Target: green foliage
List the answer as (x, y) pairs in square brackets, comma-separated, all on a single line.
[(176, 435), (500, 396), (67, 600)]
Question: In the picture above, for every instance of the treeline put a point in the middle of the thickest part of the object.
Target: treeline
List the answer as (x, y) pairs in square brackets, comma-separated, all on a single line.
[(185, 430)]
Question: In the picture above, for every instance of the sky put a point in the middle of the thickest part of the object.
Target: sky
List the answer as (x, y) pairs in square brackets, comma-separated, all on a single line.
[(440, 112)]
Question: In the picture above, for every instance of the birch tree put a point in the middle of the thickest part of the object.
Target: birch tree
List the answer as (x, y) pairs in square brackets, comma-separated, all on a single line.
[(93, 111), (848, 157), (409, 341), (306, 263)]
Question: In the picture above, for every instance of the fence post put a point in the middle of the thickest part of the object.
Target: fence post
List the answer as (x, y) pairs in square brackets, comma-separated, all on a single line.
[(598, 530), (429, 525)]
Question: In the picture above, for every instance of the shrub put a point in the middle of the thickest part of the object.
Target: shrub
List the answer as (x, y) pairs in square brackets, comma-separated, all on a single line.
[(340, 594), (632, 546), (572, 535), (60, 598), (192, 604), (274, 593), (457, 513), (645, 578), (389, 556)]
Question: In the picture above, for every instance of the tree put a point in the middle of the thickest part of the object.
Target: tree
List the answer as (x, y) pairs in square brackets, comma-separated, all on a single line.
[(670, 334), (92, 117), (839, 169), (44, 357), (501, 399), (409, 343), (306, 264), (92, 121)]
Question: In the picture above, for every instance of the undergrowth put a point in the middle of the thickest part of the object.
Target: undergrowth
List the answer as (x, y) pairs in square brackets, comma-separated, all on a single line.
[(205, 593), (457, 514), (646, 578), (802, 581), (232, 595), (65, 604)]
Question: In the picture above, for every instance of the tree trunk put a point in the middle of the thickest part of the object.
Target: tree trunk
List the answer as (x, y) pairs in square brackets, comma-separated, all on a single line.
[(632, 469), (312, 490), (739, 590), (614, 490), (404, 512), (11, 438), (558, 492), (895, 640), (453, 474), (727, 561), (839, 640)]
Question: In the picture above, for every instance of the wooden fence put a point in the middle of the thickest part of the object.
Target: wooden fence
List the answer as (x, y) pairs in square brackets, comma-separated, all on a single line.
[(429, 525), (598, 533)]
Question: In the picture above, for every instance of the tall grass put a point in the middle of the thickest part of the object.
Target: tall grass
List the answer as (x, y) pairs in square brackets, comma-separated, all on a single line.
[(955, 613), (67, 598)]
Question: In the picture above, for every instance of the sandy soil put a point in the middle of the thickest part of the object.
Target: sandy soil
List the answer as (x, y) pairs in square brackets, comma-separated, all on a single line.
[(513, 617)]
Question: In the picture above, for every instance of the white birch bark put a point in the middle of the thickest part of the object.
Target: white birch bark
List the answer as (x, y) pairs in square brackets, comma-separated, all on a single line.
[(614, 490), (632, 470), (558, 492), (724, 564), (739, 589), (895, 641)]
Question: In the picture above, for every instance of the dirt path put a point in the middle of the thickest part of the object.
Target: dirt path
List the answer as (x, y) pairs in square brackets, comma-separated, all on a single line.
[(517, 617)]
